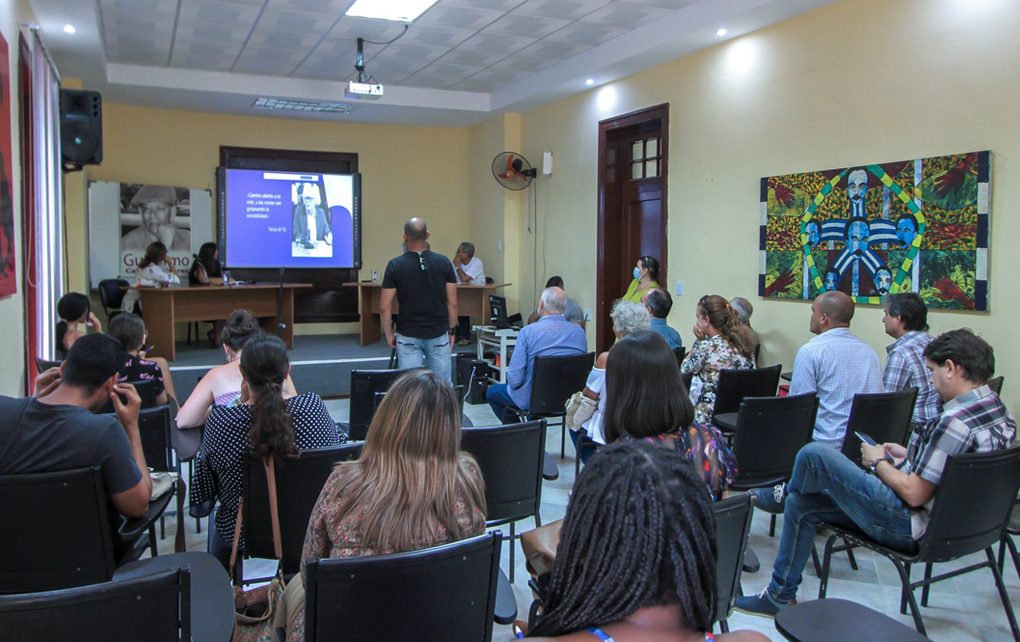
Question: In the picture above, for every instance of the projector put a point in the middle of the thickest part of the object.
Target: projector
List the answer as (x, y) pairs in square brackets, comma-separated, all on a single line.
[(364, 90)]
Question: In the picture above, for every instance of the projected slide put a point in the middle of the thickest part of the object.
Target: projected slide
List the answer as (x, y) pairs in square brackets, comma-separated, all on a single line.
[(273, 219)]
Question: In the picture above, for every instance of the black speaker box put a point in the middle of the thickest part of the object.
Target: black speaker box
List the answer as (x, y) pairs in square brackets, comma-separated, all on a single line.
[(81, 128)]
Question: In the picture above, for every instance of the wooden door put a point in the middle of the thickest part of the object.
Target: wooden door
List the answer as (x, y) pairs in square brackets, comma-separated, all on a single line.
[(632, 205)]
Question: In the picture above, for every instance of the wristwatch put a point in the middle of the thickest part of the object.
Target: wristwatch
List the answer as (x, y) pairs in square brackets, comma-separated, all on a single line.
[(874, 464)]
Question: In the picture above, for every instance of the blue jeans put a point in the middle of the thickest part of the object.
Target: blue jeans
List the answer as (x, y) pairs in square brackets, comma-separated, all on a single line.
[(828, 487), (433, 354), (498, 396)]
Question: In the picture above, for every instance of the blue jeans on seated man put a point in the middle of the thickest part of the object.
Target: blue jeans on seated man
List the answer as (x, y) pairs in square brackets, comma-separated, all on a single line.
[(433, 354), (498, 396), (828, 487)]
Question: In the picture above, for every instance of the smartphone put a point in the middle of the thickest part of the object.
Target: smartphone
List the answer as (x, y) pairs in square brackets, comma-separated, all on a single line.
[(866, 438)]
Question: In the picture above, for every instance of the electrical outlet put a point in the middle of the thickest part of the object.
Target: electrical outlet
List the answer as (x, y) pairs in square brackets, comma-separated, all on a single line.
[(679, 288), (587, 314)]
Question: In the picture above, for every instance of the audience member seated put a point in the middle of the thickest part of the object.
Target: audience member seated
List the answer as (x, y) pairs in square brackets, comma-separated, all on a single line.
[(154, 270), (636, 559), (76, 317), (265, 418), (627, 318), (129, 329), (890, 502), (646, 277), (572, 312), (645, 400), (222, 385), (906, 321), (206, 270), (57, 430), (411, 488), (722, 342), (551, 335), (659, 303), (744, 311)]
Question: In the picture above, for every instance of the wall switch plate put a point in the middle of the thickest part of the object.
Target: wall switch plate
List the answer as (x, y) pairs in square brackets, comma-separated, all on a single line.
[(679, 288), (587, 314), (499, 246)]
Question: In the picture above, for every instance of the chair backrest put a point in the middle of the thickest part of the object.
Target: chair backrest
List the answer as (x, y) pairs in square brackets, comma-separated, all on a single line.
[(770, 431), (510, 458), (883, 416), (442, 593), (679, 353), (146, 390), (364, 385), (42, 365), (555, 379), (299, 480), (732, 524), (973, 502), (57, 531), (995, 383), (377, 398), (157, 438), (155, 607), (111, 293), (734, 385)]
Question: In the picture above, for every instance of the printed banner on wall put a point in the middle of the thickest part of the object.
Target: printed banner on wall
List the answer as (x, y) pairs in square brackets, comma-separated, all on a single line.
[(907, 226)]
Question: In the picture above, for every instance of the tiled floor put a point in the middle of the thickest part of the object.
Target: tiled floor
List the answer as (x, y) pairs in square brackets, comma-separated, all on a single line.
[(964, 608)]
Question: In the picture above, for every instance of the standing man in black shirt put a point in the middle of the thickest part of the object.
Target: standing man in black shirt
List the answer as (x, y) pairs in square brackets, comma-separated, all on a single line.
[(426, 287)]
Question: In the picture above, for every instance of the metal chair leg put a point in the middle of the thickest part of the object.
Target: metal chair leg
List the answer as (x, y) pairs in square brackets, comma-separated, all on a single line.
[(513, 545), (772, 525), (823, 577), (908, 595), (850, 554), (563, 439), (1003, 595), (924, 590)]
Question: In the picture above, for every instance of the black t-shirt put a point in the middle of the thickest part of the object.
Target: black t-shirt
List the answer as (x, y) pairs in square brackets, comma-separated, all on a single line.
[(421, 293), (39, 438)]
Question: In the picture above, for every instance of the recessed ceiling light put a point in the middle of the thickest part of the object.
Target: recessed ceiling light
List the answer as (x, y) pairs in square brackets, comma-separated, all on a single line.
[(302, 105), (395, 10), (590, 82), (69, 29), (721, 31)]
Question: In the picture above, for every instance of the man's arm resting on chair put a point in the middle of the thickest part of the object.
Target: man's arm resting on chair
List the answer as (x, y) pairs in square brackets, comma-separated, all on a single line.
[(134, 501)]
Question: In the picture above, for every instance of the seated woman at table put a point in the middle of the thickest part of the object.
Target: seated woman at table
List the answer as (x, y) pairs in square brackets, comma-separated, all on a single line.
[(129, 329), (205, 269), (722, 342), (411, 488), (154, 270), (267, 419), (636, 559), (645, 401), (76, 318), (222, 385)]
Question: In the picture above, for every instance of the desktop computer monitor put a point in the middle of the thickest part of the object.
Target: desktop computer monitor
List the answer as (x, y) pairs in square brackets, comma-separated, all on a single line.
[(497, 311)]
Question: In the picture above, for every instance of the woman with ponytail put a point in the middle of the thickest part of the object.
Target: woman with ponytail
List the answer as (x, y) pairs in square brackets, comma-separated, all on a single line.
[(722, 342), (266, 419)]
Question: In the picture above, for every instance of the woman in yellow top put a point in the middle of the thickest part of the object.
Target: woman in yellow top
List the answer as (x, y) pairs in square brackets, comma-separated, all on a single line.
[(646, 277)]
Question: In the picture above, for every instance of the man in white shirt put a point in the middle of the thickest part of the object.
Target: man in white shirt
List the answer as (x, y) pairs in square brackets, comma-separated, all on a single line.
[(470, 271)]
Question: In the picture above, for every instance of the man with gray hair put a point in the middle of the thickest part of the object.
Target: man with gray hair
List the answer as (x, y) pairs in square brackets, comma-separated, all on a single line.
[(551, 335), (744, 310), (157, 206)]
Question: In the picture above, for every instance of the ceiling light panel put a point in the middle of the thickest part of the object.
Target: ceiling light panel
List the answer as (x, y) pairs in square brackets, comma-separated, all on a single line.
[(397, 10), (279, 104)]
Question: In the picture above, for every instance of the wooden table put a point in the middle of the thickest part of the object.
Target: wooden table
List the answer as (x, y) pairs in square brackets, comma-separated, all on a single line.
[(472, 301), (163, 307)]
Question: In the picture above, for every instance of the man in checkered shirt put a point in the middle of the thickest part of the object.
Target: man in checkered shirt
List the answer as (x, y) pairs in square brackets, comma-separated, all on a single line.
[(906, 320), (892, 501)]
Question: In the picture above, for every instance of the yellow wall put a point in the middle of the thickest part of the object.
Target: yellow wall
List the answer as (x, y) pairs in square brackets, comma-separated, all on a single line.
[(852, 82), (12, 352)]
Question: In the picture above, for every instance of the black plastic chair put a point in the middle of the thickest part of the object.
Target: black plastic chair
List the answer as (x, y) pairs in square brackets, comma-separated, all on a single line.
[(146, 390), (299, 481), (732, 525), (679, 353), (364, 385), (958, 526), (995, 383), (835, 620), (510, 458), (444, 593), (156, 432), (111, 294), (42, 365), (735, 385), (61, 532), (1012, 529), (884, 416), (158, 605), (553, 380), (770, 432)]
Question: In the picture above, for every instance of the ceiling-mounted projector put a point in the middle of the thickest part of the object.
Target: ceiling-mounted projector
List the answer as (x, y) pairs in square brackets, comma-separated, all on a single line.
[(364, 90)]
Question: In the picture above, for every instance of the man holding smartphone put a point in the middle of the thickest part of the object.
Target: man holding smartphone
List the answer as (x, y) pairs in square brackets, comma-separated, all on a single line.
[(892, 500)]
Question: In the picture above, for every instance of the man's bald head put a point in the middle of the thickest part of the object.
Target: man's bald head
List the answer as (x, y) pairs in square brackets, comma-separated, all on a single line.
[(415, 229), (831, 310)]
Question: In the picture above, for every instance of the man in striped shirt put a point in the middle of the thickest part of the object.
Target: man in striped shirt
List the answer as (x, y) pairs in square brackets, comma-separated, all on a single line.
[(906, 321)]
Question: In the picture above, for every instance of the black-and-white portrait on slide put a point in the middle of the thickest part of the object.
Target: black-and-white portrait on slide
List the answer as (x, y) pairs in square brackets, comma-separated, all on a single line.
[(312, 229), (151, 213)]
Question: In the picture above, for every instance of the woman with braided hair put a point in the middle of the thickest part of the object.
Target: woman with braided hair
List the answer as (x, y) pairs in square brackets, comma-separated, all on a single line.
[(636, 559), (722, 342)]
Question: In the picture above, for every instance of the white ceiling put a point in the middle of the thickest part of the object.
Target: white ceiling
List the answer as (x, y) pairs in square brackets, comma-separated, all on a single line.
[(459, 63)]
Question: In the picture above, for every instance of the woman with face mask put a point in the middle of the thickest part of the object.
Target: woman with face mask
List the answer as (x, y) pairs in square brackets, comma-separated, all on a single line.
[(646, 277)]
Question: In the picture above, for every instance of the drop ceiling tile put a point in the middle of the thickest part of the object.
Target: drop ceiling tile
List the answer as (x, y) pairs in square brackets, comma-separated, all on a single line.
[(555, 50), (586, 34), (135, 56), (484, 85), (195, 60), (525, 26), (562, 9), (212, 50), (403, 51), (626, 14), (442, 69), (124, 44), (501, 76), (675, 5), (458, 17), (266, 61), (145, 26), (332, 7), (284, 40), (146, 7), (444, 36), (390, 70), (296, 22), (429, 82), (517, 63), (321, 71), (205, 32), (380, 30), (495, 5), (493, 43), (333, 48), (472, 58), (218, 11)]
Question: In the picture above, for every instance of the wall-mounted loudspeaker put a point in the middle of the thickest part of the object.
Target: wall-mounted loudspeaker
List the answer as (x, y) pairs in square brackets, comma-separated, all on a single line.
[(81, 128)]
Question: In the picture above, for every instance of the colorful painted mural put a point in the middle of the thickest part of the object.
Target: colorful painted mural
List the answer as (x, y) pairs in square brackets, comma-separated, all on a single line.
[(908, 226)]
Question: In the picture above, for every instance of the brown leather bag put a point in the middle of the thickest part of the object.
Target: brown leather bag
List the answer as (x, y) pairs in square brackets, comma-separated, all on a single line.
[(539, 547)]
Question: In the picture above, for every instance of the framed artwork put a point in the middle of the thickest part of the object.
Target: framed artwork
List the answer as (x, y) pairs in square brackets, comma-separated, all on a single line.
[(907, 226), (8, 265)]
